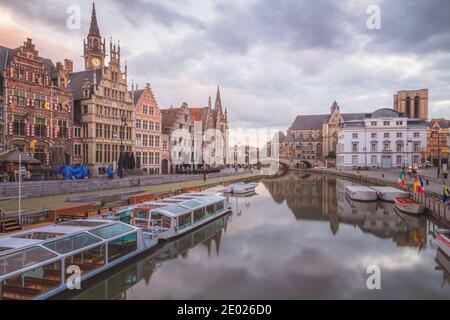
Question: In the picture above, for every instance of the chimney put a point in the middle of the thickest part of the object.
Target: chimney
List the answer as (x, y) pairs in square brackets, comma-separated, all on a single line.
[(68, 65)]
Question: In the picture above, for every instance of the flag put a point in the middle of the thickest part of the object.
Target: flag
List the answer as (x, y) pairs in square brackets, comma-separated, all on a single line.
[(401, 179), (416, 185), (446, 195), (421, 186)]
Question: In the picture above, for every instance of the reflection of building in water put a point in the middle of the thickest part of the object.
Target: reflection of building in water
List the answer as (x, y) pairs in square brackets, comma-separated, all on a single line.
[(443, 262), (114, 286), (310, 197), (320, 197)]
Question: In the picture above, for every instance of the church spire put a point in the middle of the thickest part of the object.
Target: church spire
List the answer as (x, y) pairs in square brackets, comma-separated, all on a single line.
[(218, 103), (93, 29)]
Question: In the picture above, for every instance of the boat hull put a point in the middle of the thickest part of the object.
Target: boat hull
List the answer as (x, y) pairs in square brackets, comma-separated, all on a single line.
[(361, 193), (389, 194), (409, 207)]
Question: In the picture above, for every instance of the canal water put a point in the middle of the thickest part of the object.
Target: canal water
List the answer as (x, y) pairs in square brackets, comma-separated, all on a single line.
[(297, 238)]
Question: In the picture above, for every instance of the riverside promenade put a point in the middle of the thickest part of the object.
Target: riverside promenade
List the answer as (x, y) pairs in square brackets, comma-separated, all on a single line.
[(105, 187)]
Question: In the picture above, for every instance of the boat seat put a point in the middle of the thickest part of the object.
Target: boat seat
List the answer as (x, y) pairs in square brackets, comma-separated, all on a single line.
[(27, 293)]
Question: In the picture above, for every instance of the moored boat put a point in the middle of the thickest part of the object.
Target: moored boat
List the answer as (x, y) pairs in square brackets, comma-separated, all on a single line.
[(240, 188), (361, 193), (443, 242), (389, 193), (409, 206), (38, 263), (175, 216)]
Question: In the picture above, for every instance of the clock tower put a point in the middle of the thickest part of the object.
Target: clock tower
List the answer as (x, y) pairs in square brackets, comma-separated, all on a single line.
[(94, 46)]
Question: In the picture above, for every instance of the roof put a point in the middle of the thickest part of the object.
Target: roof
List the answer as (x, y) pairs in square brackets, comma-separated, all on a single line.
[(197, 113), (169, 116), (13, 156), (384, 113), (137, 95), (309, 122), (76, 81), (5, 56), (443, 123)]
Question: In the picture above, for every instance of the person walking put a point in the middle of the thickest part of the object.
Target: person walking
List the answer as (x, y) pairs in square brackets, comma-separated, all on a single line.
[(204, 175)]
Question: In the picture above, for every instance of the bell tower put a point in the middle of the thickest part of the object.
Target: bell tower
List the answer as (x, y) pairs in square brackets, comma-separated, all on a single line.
[(94, 46)]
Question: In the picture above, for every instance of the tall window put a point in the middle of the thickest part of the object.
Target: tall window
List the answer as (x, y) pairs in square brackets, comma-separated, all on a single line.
[(39, 153), (416, 106), (19, 125), (408, 106), (151, 157), (107, 155), (386, 146), (77, 149), (373, 147), (151, 111), (157, 160), (98, 153), (151, 141), (62, 133), (145, 140), (39, 127), (373, 160), (107, 131), (85, 153), (98, 130), (157, 141)]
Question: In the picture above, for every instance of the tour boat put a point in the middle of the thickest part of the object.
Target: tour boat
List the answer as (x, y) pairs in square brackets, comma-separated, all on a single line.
[(174, 216), (240, 188), (361, 193), (409, 206), (389, 193), (39, 263), (443, 242)]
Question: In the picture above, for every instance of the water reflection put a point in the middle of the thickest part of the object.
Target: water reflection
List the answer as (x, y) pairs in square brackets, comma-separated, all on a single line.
[(115, 286), (298, 237)]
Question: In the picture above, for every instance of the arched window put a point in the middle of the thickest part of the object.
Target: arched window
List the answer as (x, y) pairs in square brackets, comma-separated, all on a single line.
[(408, 106), (416, 106), (95, 44)]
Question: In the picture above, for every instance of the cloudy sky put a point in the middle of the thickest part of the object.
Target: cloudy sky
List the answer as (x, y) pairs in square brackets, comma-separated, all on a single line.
[(272, 59)]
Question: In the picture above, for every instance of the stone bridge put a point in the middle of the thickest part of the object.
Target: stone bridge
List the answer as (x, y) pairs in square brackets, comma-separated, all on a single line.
[(307, 163)]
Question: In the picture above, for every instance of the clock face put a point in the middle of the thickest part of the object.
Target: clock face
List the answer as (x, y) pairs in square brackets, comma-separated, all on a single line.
[(96, 62)]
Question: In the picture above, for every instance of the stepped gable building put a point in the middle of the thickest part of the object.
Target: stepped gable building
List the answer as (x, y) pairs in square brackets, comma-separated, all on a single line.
[(412, 103), (103, 106), (438, 140), (315, 136), (148, 131), (38, 111)]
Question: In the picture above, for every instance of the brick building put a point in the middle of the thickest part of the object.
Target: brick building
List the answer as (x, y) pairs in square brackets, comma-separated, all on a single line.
[(148, 142), (103, 107), (38, 105), (412, 103), (438, 141)]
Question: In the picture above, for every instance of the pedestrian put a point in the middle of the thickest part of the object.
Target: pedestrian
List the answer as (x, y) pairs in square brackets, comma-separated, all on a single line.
[(110, 172), (204, 175)]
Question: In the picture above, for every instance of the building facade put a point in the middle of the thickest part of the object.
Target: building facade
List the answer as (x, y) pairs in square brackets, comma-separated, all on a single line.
[(438, 134), (383, 139), (412, 103), (38, 105), (179, 126), (214, 132), (103, 106), (148, 142), (314, 136)]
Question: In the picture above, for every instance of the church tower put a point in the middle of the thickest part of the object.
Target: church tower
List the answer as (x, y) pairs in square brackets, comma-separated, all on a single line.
[(94, 47)]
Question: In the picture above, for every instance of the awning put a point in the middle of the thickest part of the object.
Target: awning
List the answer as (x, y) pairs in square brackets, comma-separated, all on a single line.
[(13, 156)]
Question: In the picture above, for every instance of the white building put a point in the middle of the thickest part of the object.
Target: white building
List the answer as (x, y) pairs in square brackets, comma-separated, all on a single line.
[(384, 138)]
